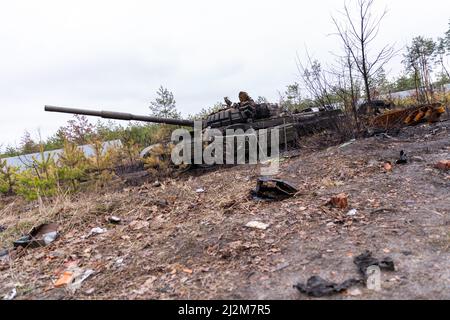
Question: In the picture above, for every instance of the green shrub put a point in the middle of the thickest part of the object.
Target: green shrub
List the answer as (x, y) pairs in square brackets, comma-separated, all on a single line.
[(8, 177)]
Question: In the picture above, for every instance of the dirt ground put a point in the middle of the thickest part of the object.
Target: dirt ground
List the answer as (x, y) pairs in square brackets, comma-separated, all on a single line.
[(176, 243)]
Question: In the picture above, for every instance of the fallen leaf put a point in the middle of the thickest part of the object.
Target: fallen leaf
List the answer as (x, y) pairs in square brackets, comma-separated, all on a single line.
[(339, 201), (443, 165)]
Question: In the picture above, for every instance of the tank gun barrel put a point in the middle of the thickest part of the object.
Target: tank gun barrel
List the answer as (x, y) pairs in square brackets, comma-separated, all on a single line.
[(120, 116)]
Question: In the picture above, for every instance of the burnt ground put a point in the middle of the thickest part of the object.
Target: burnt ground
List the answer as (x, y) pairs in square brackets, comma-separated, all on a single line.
[(175, 243)]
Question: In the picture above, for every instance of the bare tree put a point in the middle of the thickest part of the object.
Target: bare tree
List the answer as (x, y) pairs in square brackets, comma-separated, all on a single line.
[(357, 31), (315, 80), (346, 85)]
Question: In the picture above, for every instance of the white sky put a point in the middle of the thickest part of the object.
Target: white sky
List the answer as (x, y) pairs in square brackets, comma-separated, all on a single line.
[(114, 55)]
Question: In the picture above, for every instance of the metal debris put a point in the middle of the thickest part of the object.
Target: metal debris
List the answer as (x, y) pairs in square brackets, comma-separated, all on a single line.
[(366, 260), (40, 236), (403, 159), (273, 190), (318, 287)]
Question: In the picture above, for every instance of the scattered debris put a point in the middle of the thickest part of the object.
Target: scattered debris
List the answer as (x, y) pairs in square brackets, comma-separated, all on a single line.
[(96, 231), (79, 277), (339, 201), (257, 225), (40, 236), (388, 166), (156, 184), (200, 190), (11, 295), (443, 165), (89, 291), (373, 278), (146, 286), (352, 213), (403, 158), (318, 287), (354, 292), (3, 253), (188, 271), (273, 190), (366, 260), (347, 144), (114, 220), (65, 279), (119, 263)]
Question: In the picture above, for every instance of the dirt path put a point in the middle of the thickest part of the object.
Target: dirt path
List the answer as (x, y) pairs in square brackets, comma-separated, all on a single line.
[(175, 243)]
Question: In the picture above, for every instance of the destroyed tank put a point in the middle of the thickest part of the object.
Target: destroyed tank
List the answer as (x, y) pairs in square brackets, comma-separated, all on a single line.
[(243, 115)]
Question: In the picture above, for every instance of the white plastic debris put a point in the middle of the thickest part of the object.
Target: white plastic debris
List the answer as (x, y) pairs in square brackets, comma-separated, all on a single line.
[(257, 225), (347, 144), (50, 237), (200, 190), (352, 213), (11, 295), (373, 281), (96, 231), (79, 277), (355, 292), (119, 263)]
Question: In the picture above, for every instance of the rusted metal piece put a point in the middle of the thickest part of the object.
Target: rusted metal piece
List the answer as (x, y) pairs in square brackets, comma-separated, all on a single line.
[(409, 117)]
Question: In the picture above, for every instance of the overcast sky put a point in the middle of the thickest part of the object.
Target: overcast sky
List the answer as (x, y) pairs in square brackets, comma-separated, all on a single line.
[(114, 55)]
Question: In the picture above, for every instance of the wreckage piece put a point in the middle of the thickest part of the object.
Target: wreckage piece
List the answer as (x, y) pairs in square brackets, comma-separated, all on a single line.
[(396, 119), (236, 121), (403, 158), (366, 260), (40, 236), (273, 190), (318, 287)]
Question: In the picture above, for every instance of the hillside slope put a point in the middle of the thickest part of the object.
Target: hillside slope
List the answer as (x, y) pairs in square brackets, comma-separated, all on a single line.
[(176, 243)]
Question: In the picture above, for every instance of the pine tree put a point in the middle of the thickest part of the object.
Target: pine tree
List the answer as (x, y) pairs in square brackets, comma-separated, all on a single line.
[(164, 105)]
